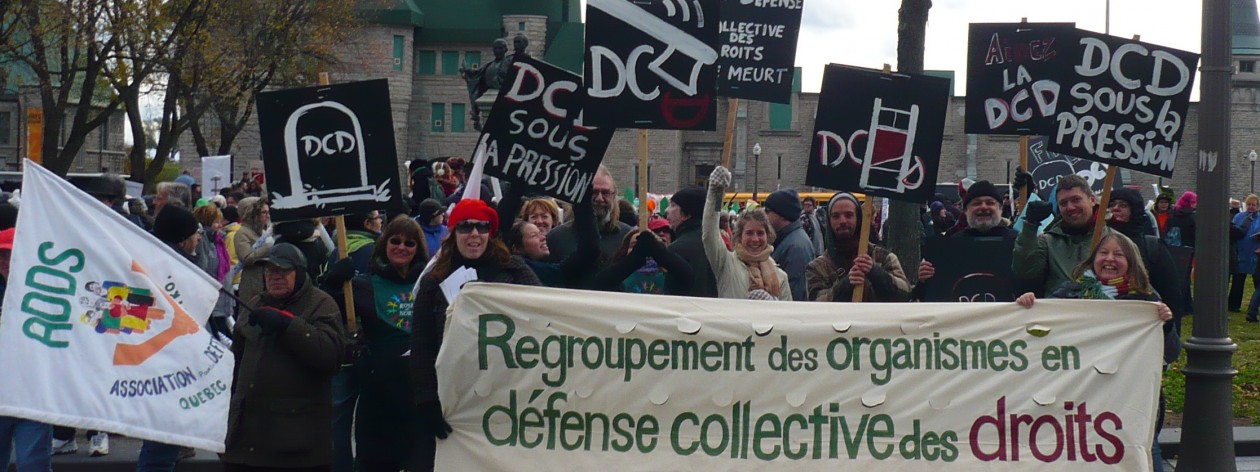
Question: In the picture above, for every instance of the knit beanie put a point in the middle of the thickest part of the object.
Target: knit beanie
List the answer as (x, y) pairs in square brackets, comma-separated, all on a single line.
[(1130, 196), (690, 200), (981, 188), (174, 224), (787, 203), (849, 197), (474, 210)]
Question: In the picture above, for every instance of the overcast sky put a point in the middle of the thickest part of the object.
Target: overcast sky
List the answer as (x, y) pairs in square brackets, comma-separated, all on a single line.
[(864, 32)]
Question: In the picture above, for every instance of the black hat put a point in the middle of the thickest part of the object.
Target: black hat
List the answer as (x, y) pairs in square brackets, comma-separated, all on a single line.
[(106, 186), (1130, 196), (286, 256), (174, 224), (428, 208), (294, 231), (690, 200), (787, 203), (981, 188)]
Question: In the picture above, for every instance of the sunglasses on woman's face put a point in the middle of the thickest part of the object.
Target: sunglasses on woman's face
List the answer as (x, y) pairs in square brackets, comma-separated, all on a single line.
[(466, 226), (402, 242)]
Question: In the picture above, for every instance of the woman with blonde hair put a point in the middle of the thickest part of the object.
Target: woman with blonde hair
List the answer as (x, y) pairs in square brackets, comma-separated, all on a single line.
[(541, 212), (749, 271)]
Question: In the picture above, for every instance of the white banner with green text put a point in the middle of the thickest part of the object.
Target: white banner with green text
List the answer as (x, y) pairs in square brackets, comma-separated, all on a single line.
[(546, 379)]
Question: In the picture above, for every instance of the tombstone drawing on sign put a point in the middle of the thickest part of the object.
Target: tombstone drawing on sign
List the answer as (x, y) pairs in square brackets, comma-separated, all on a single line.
[(652, 64), (758, 49), (1049, 166), (878, 133), (961, 276), (1014, 72), (329, 150), (535, 136), (1125, 103)]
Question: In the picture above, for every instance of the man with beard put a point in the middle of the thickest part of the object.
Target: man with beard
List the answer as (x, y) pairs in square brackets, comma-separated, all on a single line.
[(1049, 259), (833, 276), (563, 240), (983, 210)]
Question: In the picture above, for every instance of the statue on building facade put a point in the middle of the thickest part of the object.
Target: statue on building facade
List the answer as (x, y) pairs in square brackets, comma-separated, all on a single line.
[(489, 77)]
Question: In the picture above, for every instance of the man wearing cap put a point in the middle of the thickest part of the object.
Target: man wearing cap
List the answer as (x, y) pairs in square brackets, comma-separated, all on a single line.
[(833, 276), (287, 346), (792, 248), (32, 439), (431, 215), (111, 190), (685, 211), (982, 211)]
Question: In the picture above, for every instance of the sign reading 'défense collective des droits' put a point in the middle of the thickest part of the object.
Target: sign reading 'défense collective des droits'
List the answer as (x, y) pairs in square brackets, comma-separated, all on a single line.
[(549, 379)]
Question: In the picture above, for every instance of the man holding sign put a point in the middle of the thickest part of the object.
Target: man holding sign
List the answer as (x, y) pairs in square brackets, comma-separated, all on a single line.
[(833, 276), (1048, 260)]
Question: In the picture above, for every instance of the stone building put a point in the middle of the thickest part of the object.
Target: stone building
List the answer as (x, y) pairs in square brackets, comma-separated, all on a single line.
[(419, 45)]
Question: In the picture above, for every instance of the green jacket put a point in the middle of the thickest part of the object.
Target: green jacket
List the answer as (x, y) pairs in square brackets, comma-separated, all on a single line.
[(281, 411), (1047, 261)]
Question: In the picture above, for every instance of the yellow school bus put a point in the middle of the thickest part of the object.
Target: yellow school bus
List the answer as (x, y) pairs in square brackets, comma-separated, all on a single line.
[(821, 197)]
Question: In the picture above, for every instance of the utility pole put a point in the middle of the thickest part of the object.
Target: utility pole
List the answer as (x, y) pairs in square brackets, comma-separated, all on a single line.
[(1207, 427)]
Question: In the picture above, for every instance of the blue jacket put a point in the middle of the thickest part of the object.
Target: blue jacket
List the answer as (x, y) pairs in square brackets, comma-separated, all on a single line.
[(793, 251), (433, 236), (1246, 246)]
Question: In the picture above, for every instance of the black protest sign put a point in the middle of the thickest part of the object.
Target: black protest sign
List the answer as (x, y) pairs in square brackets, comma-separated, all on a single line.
[(970, 270), (758, 49), (1049, 166), (1125, 103), (535, 136), (329, 150), (878, 133), (1014, 72), (652, 64)]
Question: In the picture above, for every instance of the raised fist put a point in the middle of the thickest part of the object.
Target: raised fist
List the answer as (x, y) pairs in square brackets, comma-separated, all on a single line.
[(720, 178)]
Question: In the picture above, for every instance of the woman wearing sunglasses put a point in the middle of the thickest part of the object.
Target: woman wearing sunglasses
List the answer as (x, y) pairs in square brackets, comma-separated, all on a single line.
[(386, 418), (471, 244)]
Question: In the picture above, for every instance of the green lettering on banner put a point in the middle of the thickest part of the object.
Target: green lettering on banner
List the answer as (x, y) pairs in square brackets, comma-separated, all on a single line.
[(675, 433), (501, 342), (54, 260)]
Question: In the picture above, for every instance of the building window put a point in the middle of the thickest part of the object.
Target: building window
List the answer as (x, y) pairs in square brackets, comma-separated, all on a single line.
[(104, 130), (702, 174), (399, 42), (472, 59), (520, 26), (450, 62), (426, 62), (457, 117), (6, 128), (1247, 67), (439, 118)]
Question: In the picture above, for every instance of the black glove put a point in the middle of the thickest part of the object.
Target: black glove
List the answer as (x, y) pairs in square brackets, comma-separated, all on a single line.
[(643, 245), (217, 325), (650, 243), (339, 273), (431, 417), (1037, 211), (270, 320), (1022, 180)]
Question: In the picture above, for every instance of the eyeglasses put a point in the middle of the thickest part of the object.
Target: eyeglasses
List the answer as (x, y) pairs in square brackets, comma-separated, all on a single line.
[(277, 270), (402, 242), (606, 193), (467, 226)]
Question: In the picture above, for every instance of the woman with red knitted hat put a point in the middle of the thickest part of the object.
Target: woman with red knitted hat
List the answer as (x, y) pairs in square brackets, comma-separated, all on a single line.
[(472, 244)]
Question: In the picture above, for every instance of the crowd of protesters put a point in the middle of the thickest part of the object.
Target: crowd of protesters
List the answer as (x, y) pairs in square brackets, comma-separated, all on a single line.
[(307, 387)]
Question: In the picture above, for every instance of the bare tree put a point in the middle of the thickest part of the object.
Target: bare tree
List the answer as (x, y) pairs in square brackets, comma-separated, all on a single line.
[(904, 230), (64, 44)]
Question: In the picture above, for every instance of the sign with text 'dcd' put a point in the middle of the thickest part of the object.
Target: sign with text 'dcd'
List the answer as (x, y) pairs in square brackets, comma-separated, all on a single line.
[(329, 150)]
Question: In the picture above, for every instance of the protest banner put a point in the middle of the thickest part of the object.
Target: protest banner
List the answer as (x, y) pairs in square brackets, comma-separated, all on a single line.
[(535, 136), (758, 49), (970, 270), (548, 379), (216, 174), (1125, 103), (878, 133), (1049, 166), (1014, 72), (329, 150), (651, 65), (102, 325)]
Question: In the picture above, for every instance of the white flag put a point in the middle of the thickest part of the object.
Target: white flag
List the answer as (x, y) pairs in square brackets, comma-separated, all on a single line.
[(102, 325)]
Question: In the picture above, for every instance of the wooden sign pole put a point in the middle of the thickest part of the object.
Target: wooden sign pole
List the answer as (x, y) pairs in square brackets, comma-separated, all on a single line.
[(728, 141), (643, 180), (1022, 199), (342, 248), (1101, 215), (864, 240)]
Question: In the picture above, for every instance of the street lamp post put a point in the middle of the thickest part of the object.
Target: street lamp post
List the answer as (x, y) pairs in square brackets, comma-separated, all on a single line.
[(1251, 156), (756, 170)]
